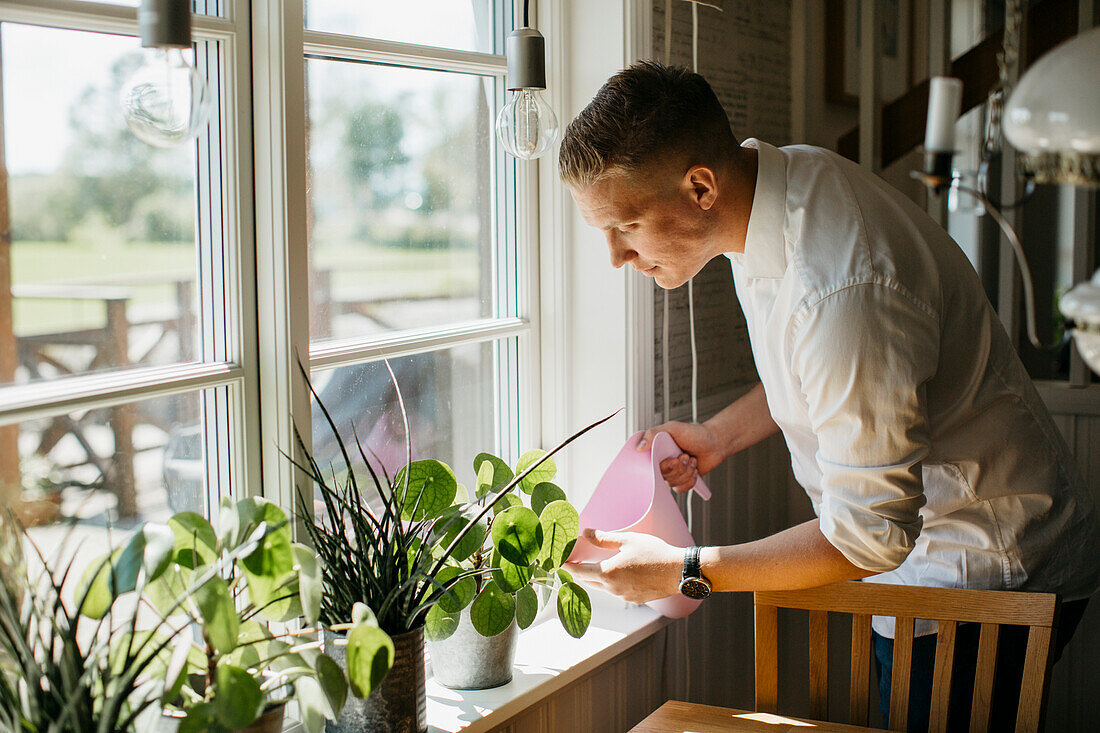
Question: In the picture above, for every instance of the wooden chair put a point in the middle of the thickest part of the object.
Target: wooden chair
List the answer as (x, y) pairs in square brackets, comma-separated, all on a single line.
[(948, 606)]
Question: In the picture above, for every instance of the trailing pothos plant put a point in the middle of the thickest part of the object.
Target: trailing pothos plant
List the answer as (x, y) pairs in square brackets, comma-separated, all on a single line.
[(389, 542), (530, 536), (244, 588)]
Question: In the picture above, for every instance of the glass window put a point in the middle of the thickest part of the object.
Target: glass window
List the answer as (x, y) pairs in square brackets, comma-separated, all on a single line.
[(449, 398), (103, 252), (401, 198), (458, 24), (89, 478)]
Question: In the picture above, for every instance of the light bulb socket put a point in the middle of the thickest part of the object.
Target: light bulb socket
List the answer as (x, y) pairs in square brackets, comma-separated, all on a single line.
[(937, 163), (526, 51), (165, 23)]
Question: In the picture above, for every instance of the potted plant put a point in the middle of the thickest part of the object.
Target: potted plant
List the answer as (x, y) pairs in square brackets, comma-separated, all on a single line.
[(244, 588), (472, 630), (61, 670), (392, 557)]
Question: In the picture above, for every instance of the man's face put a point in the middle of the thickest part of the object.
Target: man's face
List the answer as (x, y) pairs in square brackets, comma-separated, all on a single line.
[(658, 227)]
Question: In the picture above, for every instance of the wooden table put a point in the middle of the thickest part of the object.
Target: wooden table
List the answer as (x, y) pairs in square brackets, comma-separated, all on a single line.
[(685, 717)]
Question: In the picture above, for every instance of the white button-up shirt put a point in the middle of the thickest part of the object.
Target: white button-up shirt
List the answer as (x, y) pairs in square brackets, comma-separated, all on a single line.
[(926, 451)]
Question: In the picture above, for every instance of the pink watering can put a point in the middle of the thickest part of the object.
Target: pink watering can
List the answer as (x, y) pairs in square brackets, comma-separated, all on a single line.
[(633, 497)]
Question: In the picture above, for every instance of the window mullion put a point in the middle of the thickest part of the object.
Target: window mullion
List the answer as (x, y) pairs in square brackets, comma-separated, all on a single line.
[(282, 293)]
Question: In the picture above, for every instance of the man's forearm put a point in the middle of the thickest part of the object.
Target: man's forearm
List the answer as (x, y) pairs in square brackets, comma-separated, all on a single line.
[(799, 557), (745, 422)]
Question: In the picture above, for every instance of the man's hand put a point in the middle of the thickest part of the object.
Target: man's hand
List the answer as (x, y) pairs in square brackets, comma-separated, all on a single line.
[(703, 451), (645, 568)]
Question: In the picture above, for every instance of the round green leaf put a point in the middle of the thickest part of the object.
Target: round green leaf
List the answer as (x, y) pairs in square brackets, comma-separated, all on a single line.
[(493, 610), (369, 657), (219, 616), (148, 550), (517, 535), (361, 613), (439, 624), (431, 490), (545, 493), (506, 502), (200, 719), (311, 704), (196, 543), (458, 594), (527, 606), (238, 699), (333, 684), (545, 471), (560, 527), (309, 582), (493, 474), (269, 568), (564, 576), (574, 609), (97, 581), (508, 575), (452, 526)]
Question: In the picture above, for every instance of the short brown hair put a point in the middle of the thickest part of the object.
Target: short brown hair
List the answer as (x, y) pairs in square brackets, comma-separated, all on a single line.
[(641, 116)]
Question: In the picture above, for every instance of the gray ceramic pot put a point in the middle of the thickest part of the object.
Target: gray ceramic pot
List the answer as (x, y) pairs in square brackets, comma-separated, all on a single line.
[(399, 704), (466, 660)]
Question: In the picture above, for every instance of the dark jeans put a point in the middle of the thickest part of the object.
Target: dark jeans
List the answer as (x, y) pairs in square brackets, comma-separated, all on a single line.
[(1011, 650)]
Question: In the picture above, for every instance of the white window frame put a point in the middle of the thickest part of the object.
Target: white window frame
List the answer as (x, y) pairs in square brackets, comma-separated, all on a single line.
[(225, 381)]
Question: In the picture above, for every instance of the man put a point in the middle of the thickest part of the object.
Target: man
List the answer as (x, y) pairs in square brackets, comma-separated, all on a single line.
[(912, 425)]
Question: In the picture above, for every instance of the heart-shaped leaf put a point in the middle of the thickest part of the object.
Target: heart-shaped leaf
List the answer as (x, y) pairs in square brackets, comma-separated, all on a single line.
[(544, 471), (270, 567), (517, 535), (574, 609), (493, 610), (333, 684)]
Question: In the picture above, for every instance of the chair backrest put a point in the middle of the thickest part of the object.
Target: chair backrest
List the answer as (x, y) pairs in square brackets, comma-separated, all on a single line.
[(949, 607)]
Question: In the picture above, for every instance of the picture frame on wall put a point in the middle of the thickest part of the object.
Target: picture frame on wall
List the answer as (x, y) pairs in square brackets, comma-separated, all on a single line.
[(842, 44)]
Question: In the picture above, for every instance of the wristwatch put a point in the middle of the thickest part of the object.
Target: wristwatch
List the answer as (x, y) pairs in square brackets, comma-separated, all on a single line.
[(694, 584)]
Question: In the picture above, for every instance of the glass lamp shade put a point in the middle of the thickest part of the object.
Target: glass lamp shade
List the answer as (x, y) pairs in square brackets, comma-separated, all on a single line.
[(166, 101), (1082, 306), (1053, 115)]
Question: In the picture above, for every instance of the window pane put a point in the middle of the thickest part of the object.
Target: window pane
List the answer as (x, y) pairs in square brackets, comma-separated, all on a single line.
[(450, 402), (206, 7), (96, 476), (103, 257), (460, 24), (401, 197)]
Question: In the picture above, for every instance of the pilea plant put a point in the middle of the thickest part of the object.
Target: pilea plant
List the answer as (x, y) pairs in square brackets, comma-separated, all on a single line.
[(510, 571)]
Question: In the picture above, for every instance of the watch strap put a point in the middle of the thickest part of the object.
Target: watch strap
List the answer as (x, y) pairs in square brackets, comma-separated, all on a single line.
[(692, 567)]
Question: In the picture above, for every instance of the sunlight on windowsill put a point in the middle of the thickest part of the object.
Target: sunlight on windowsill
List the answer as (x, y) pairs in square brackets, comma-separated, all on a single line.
[(547, 659)]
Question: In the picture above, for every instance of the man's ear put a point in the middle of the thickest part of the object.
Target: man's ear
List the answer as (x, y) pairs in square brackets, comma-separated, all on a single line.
[(703, 186)]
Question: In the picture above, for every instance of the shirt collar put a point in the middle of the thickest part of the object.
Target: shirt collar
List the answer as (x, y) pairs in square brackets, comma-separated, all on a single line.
[(765, 248)]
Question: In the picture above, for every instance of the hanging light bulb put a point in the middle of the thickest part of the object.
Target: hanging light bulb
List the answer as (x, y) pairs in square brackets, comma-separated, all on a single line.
[(526, 126), (166, 102)]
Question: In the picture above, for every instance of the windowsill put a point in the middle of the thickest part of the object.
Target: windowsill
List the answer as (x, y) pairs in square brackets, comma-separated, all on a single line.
[(547, 659)]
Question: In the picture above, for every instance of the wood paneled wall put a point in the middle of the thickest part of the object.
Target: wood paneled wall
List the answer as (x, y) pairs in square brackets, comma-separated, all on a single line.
[(612, 699)]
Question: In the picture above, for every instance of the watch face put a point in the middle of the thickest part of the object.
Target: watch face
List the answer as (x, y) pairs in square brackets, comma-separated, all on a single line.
[(696, 588)]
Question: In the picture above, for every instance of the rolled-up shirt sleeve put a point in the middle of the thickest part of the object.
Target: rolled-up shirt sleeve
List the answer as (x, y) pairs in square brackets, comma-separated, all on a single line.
[(863, 355)]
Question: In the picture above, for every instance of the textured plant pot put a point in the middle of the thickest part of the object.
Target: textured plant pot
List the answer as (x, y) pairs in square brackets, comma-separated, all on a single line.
[(399, 704), (466, 660), (270, 722)]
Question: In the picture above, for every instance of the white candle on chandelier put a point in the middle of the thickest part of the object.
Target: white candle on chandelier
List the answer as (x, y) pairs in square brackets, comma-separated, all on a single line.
[(944, 103)]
